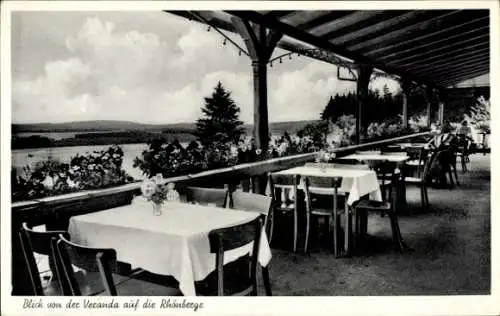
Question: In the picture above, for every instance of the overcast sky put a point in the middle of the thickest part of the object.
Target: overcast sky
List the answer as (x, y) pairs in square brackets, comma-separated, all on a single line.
[(148, 67)]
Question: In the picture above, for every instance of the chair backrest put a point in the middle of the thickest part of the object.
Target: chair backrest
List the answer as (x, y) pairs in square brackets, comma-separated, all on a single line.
[(207, 196), (313, 185), (36, 242), (252, 202), (283, 190), (228, 238), (419, 154), (102, 260), (429, 161), (386, 172)]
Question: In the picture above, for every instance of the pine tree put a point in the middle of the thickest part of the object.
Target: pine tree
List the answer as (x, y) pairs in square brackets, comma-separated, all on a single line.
[(221, 118)]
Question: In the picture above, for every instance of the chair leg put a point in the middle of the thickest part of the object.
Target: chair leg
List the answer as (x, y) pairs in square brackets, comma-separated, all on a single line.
[(295, 231), (270, 223), (426, 196), (355, 240), (347, 230), (308, 228), (267, 283), (422, 197), (335, 233), (396, 233), (456, 175)]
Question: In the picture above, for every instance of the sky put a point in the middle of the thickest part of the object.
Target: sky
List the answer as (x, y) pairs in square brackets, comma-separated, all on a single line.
[(148, 67)]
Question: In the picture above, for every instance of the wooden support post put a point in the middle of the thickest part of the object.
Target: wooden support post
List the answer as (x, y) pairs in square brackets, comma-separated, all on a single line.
[(405, 85), (430, 98), (260, 44), (364, 74)]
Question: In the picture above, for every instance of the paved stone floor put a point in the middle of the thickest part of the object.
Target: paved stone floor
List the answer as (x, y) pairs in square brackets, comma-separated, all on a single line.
[(450, 241)]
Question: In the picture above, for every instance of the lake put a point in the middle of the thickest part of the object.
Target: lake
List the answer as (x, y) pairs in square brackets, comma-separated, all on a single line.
[(23, 157)]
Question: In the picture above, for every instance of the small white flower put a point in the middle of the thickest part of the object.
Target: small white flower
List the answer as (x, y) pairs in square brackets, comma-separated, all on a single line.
[(258, 151), (234, 151), (71, 183), (91, 167), (148, 187), (48, 182)]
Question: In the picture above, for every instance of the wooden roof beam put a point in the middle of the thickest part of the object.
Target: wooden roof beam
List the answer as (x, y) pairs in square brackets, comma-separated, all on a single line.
[(337, 24), (458, 66), (323, 44), (474, 40), (453, 29), (461, 71), (476, 55), (374, 28), (407, 32), (439, 43), (461, 78), (463, 51)]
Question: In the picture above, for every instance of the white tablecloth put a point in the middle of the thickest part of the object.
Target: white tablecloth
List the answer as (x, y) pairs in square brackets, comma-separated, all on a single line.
[(378, 157), (355, 182), (174, 243)]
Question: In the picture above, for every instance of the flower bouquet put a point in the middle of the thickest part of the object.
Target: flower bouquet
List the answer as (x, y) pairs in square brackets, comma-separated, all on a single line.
[(155, 190)]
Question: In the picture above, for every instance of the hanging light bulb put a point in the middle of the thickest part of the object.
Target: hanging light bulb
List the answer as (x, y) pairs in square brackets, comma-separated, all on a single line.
[(281, 61), (271, 64), (290, 56), (208, 28), (224, 42), (239, 53)]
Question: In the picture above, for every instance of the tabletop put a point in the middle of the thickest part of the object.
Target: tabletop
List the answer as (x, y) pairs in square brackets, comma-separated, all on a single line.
[(378, 157), (355, 182), (174, 243)]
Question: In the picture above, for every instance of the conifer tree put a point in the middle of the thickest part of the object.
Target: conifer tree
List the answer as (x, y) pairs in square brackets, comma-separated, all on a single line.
[(220, 121)]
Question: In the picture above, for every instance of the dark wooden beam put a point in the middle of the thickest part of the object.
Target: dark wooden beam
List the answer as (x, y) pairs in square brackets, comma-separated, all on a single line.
[(459, 52), (450, 69), (441, 42), (325, 17), (397, 18), (320, 43), (363, 80), (326, 29), (415, 41), (444, 61), (453, 64), (450, 48), (466, 74), (442, 18), (470, 76), (406, 87)]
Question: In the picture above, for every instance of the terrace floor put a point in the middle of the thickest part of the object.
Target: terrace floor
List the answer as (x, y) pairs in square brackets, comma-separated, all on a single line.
[(450, 241)]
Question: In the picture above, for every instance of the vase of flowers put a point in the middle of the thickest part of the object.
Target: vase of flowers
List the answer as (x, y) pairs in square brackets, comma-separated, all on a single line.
[(155, 190)]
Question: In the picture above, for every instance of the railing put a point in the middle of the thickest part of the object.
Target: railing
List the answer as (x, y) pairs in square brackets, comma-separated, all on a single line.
[(55, 211)]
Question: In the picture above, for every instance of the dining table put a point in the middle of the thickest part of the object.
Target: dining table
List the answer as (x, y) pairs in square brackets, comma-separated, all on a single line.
[(355, 184), (399, 159), (174, 243)]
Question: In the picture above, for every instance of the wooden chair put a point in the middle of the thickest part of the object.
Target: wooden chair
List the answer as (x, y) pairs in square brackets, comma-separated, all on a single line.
[(325, 187), (207, 196), (463, 151), (262, 204), (229, 238), (422, 181), (38, 242), (417, 158), (386, 206), (101, 261), (283, 191)]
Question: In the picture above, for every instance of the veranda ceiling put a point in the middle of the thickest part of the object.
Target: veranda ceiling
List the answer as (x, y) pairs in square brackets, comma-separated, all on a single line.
[(437, 48)]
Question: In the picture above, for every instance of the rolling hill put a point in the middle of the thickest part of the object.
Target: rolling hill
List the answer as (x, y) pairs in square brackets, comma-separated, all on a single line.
[(113, 126)]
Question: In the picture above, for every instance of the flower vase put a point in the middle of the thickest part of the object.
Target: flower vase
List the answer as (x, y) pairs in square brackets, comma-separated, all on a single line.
[(157, 209)]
